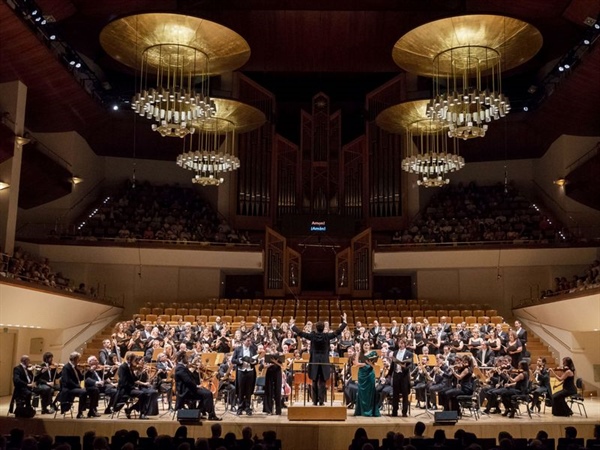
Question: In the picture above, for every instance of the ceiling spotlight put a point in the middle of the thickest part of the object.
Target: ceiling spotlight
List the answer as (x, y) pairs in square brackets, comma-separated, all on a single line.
[(44, 22), (115, 107), (72, 62), (567, 66), (78, 65), (525, 108), (76, 180), (34, 12), (561, 69), (560, 182), (4, 185), (597, 26), (52, 37), (586, 42)]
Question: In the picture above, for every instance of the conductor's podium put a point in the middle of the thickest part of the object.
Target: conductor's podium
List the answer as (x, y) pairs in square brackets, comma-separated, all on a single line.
[(329, 413)]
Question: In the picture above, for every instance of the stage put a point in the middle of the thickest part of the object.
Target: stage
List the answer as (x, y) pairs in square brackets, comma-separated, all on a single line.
[(317, 434)]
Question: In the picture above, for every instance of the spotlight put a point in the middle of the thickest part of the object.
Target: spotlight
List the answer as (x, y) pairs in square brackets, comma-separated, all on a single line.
[(44, 22), (525, 108), (34, 12), (72, 62), (77, 65), (561, 69), (115, 107), (597, 26), (567, 66), (52, 37), (586, 42)]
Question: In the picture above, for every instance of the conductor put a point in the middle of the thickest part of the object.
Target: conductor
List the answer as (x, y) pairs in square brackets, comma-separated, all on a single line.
[(319, 369)]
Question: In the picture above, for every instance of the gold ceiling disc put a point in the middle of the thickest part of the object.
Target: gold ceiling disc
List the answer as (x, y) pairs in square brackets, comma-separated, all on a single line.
[(516, 41), (127, 38), (235, 115), (407, 116)]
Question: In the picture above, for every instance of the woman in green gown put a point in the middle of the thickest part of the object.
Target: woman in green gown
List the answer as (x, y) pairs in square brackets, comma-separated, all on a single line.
[(366, 400)]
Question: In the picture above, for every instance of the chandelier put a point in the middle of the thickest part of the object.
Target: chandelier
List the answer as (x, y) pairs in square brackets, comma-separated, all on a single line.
[(210, 150), (175, 56), (470, 97), (426, 148), (432, 160), (213, 154), (465, 56), (175, 102)]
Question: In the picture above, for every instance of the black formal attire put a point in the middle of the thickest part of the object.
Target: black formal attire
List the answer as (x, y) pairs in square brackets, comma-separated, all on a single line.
[(127, 387), (384, 389), (441, 382), (542, 387), (104, 357), (273, 383), (485, 357), (245, 358), (522, 336), (21, 379), (462, 387), (318, 367), (164, 381), (510, 394), (45, 386), (70, 387), (188, 389), (97, 383), (350, 386), (226, 384), (400, 373), (559, 399)]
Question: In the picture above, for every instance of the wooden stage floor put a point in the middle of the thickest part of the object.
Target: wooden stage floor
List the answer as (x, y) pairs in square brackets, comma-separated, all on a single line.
[(308, 435)]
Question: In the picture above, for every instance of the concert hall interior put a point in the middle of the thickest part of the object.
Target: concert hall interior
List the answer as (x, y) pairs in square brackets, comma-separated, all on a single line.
[(304, 217)]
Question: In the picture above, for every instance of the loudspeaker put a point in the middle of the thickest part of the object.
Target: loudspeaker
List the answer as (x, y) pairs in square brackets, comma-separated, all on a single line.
[(188, 416), (445, 417)]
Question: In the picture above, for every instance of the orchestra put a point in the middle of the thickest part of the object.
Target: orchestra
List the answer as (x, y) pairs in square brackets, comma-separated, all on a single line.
[(143, 361)]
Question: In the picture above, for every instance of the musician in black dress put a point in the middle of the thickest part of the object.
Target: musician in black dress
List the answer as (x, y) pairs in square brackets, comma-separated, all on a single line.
[(245, 358), (565, 374), (518, 385), (70, 387), (227, 387), (319, 369), (128, 387), (463, 374), (273, 381), (188, 388), (350, 385), (400, 369)]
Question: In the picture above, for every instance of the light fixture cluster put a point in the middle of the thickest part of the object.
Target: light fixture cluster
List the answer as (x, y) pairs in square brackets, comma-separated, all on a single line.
[(12, 325), (469, 97), (174, 104)]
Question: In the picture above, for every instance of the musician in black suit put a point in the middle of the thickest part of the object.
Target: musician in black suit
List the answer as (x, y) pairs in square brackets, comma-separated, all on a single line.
[(70, 387), (319, 369), (45, 382), (244, 358), (189, 389), (23, 382), (400, 369), (98, 381), (485, 356), (522, 336), (128, 387), (105, 352)]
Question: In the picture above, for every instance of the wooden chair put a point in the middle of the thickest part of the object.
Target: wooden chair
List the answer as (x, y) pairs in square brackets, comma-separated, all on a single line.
[(429, 312), (144, 311), (218, 312), (466, 312), (478, 313), (453, 313), (496, 319), (194, 311), (481, 319), (183, 311), (158, 311), (151, 318), (491, 312), (176, 317), (457, 319), (170, 311), (442, 312), (206, 311), (189, 318), (470, 320), (165, 317)]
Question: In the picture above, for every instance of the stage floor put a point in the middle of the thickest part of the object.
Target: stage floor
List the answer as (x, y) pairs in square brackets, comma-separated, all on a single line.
[(311, 434)]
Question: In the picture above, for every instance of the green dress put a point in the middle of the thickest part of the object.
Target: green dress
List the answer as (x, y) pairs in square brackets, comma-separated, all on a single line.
[(366, 400)]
